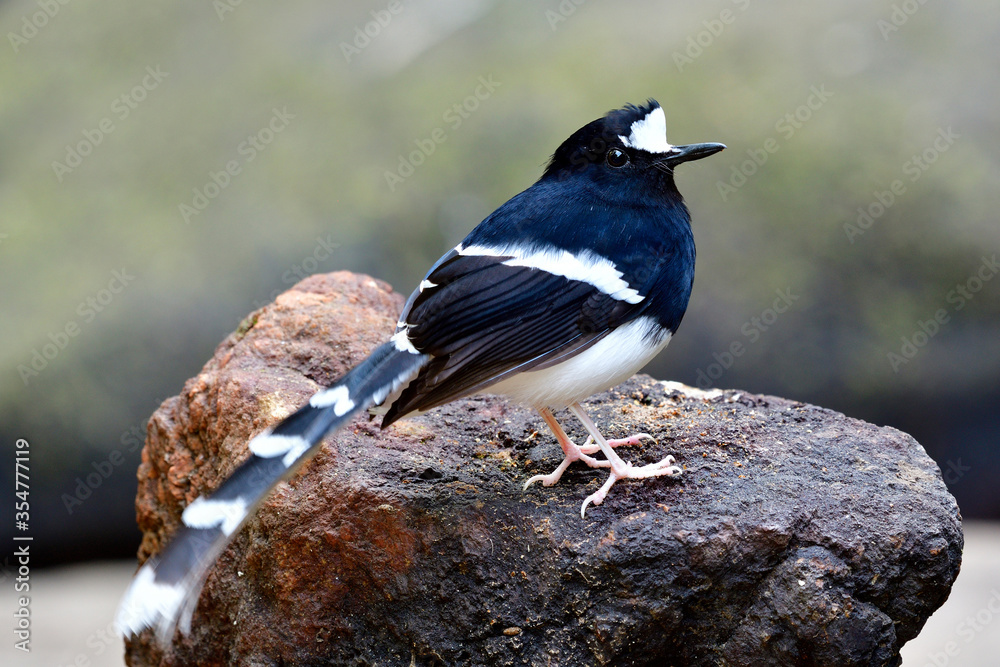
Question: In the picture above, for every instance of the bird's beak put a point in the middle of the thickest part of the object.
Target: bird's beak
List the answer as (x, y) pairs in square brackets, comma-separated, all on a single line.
[(690, 152)]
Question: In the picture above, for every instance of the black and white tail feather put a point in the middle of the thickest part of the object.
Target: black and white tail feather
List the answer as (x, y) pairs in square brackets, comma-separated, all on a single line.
[(165, 591)]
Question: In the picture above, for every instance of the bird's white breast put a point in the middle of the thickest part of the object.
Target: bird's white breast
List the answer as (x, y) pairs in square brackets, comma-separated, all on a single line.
[(609, 362)]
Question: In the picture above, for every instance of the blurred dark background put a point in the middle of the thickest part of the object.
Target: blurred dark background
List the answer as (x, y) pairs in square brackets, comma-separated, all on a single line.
[(858, 197)]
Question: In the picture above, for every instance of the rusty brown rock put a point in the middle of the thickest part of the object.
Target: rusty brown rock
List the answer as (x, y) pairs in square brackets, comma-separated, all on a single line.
[(796, 536)]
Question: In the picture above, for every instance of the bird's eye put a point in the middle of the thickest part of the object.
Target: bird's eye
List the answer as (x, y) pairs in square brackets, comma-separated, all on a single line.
[(617, 157)]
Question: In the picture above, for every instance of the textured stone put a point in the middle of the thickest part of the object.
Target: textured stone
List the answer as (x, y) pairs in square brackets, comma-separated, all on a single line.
[(796, 536)]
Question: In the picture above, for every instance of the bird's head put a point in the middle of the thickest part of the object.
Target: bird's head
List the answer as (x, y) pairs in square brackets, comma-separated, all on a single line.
[(627, 146)]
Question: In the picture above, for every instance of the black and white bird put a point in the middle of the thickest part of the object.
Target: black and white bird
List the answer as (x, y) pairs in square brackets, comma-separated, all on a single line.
[(566, 290)]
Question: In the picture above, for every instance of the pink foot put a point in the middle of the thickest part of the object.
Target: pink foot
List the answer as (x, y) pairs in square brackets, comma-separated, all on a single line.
[(591, 447), (596, 442), (572, 453), (619, 468), (623, 470)]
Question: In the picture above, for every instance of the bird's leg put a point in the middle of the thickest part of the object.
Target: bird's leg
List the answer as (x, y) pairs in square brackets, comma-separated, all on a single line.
[(619, 468), (571, 451)]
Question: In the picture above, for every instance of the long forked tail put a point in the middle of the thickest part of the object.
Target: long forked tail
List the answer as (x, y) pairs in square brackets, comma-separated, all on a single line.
[(165, 590)]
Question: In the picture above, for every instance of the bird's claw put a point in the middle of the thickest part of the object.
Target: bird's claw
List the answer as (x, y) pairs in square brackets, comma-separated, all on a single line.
[(590, 446), (575, 453), (661, 468)]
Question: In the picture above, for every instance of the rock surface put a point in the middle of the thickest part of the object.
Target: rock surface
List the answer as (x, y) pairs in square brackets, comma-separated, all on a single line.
[(796, 536)]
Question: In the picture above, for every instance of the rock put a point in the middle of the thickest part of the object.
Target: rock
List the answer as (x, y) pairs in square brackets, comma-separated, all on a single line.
[(796, 536)]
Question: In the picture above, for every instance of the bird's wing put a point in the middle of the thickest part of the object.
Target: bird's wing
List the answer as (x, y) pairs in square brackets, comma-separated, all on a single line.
[(483, 314)]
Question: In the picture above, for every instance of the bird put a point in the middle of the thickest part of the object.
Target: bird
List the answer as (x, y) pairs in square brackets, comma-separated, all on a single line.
[(566, 290)]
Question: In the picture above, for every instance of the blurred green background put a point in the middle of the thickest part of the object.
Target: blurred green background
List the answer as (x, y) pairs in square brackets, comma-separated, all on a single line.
[(114, 116)]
